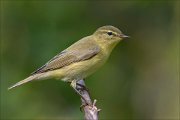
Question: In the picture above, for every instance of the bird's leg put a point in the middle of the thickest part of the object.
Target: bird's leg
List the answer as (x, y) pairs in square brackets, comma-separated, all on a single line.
[(73, 85)]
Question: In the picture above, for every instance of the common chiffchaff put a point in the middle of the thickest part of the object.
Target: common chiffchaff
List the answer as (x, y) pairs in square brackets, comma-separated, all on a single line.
[(80, 59)]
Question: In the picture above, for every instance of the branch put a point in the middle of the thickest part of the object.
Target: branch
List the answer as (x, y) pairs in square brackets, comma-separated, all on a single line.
[(89, 108)]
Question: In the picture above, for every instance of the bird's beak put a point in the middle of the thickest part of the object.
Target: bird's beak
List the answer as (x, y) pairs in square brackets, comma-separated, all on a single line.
[(123, 36)]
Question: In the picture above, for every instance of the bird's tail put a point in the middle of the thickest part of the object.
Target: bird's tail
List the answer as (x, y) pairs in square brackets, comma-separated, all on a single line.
[(30, 78)]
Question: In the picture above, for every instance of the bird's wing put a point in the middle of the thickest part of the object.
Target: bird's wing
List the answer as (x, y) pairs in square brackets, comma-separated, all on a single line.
[(78, 52)]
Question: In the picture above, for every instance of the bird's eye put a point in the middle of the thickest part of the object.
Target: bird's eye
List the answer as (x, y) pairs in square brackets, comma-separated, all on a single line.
[(109, 33)]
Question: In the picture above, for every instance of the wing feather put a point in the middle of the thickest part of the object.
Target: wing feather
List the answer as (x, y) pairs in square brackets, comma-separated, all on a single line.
[(79, 51)]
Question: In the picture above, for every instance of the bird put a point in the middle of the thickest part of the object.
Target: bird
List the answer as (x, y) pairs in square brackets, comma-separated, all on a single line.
[(79, 60)]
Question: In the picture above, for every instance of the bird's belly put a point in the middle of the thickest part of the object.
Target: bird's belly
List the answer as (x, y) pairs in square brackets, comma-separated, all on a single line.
[(82, 69)]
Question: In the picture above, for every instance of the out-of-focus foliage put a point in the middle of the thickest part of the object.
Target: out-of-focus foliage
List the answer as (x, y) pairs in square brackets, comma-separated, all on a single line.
[(140, 80)]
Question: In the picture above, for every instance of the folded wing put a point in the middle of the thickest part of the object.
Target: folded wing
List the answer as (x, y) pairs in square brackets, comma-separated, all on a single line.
[(78, 52)]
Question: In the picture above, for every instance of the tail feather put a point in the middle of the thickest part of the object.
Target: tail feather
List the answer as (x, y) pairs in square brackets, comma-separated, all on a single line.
[(30, 78)]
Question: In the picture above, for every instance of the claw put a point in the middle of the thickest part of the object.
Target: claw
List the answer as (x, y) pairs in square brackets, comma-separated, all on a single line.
[(82, 106)]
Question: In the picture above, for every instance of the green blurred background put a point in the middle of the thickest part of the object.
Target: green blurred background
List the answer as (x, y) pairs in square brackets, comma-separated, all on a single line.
[(140, 80)]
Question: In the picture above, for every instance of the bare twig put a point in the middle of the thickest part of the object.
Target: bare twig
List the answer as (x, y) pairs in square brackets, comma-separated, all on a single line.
[(89, 108)]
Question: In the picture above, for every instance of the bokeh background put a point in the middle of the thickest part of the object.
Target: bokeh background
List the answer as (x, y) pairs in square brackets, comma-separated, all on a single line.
[(140, 80)]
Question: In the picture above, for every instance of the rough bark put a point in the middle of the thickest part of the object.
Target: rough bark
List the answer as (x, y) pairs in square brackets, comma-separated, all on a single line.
[(89, 108)]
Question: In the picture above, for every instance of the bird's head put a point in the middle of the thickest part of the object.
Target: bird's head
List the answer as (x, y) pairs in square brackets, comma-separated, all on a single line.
[(109, 32), (108, 35)]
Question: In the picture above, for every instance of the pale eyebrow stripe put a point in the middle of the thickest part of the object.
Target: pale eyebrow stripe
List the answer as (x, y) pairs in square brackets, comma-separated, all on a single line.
[(109, 31)]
